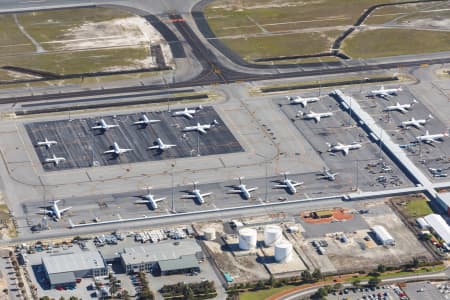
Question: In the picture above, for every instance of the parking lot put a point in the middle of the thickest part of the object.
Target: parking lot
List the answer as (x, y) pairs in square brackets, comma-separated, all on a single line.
[(365, 168), (385, 292), (434, 155), (82, 146)]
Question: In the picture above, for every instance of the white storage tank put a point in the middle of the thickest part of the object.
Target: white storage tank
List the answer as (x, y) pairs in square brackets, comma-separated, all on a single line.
[(283, 252), (272, 235), (247, 238), (209, 234)]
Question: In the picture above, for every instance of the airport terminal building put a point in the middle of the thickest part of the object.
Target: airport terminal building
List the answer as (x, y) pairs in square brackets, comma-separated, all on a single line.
[(164, 257), (63, 269)]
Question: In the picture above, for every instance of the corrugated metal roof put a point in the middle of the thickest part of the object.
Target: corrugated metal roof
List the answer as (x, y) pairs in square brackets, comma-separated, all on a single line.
[(72, 262), (181, 263), (61, 278), (382, 233), (438, 224), (159, 252)]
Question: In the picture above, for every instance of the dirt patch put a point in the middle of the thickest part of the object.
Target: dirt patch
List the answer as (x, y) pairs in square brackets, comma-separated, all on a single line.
[(336, 215)]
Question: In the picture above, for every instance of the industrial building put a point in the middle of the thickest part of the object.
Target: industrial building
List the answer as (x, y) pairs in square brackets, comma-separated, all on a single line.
[(383, 236), (63, 269), (439, 227), (443, 199), (166, 257)]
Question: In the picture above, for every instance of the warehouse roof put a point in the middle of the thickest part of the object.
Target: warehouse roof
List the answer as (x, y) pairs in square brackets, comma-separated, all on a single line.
[(61, 278), (438, 224), (159, 251), (382, 233), (72, 262), (181, 263)]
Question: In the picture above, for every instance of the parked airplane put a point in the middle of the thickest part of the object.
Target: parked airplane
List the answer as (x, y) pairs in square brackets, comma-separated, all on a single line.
[(403, 108), (144, 121), (384, 93), (46, 143), (202, 128), (55, 160), (303, 101), (344, 148), (428, 138), (159, 145), (150, 200), (116, 150), (54, 210), (187, 113), (197, 195), (102, 125), (242, 189), (288, 184), (314, 115), (326, 174), (416, 123)]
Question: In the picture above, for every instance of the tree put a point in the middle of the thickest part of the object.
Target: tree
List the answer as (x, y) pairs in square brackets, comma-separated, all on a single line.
[(260, 285), (356, 283), (306, 276), (5, 291), (381, 268), (188, 294), (338, 286), (374, 281), (20, 284), (317, 275), (322, 293), (415, 262)]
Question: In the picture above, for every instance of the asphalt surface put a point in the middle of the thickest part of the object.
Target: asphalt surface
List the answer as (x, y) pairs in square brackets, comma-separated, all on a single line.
[(84, 147)]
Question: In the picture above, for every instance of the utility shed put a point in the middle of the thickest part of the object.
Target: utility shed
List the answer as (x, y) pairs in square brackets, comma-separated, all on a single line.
[(382, 235), (439, 227)]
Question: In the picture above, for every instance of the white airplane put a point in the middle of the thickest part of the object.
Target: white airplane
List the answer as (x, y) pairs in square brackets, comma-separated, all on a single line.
[(160, 145), (344, 148), (144, 121), (103, 125), (326, 174), (197, 195), (416, 123), (54, 210), (242, 189), (202, 128), (288, 184), (314, 115), (116, 150), (150, 200), (55, 160), (428, 138), (187, 113), (303, 101), (46, 143), (384, 93), (403, 108)]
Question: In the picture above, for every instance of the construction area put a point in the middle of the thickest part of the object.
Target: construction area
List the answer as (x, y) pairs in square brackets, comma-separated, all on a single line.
[(337, 240)]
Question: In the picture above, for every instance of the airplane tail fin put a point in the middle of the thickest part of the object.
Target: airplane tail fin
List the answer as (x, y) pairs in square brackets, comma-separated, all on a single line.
[(214, 122), (413, 102), (430, 117), (328, 145), (200, 107)]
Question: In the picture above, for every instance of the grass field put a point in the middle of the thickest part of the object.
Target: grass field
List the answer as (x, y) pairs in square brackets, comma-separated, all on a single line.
[(52, 30), (418, 208), (263, 294), (281, 45), (251, 27), (367, 44)]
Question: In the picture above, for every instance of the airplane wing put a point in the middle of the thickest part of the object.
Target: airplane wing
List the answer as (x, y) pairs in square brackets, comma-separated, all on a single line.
[(188, 196), (206, 194), (64, 209), (97, 127), (297, 183), (346, 150), (402, 110), (280, 186), (237, 191), (188, 115), (317, 118), (201, 130), (154, 147), (159, 199), (252, 189), (142, 201), (109, 151)]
